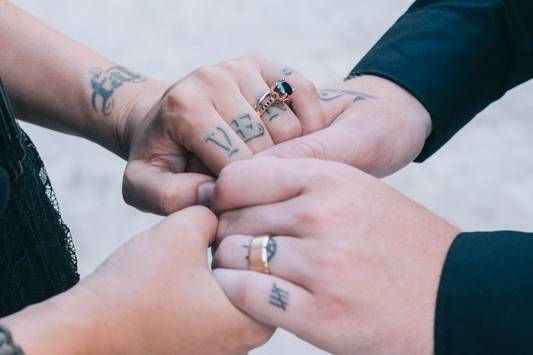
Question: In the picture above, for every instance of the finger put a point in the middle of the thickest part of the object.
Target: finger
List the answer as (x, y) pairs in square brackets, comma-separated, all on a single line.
[(194, 226), (285, 257), (280, 121), (274, 219), (269, 299), (305, 100), (335, 143), (257, 182), (237, 112), (203, 131), (150, 188)]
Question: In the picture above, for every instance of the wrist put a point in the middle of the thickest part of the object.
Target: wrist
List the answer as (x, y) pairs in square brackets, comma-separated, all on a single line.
[(66, 324), (132, 116)]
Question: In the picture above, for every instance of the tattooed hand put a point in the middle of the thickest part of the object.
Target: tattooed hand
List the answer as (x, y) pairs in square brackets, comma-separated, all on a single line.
[(356, 265), (202, 123), (372, 124)]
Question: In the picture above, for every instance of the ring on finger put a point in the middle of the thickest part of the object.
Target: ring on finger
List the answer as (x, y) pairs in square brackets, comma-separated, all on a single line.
[(279, 93), (259, 253)]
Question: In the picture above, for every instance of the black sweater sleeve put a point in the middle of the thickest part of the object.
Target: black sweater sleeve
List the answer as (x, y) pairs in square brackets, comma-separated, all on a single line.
[(456, 57), (485, 298)]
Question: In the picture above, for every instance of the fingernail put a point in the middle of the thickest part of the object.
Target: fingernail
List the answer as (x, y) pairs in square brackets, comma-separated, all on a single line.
[(205, 193)]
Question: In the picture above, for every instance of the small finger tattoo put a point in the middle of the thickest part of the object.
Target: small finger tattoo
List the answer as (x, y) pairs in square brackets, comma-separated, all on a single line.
[(244, 126), (104, 84), (247, 247), (273, 111), (287, 71), (279, 298), (222, 140), (330, 95), (272, 248)]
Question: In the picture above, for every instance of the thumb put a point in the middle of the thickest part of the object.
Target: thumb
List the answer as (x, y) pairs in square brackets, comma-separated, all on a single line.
[(326, 144), (189, 232), (351, 140), (157, 190)]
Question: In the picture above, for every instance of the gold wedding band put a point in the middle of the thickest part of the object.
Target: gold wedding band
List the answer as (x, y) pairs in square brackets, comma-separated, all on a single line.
[(258, 254), (279, 93)]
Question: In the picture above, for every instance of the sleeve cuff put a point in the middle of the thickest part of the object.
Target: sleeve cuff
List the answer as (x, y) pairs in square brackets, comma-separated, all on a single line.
[(484, 303), (435, 54)]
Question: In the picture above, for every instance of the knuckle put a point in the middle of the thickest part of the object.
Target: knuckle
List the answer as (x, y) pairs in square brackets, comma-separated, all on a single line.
[(179, 100), (212, 74), (330, 307), (309, 148), (168, 200), (334, 264), (310, 217), (225, 221), (308, 86), (249, 58), (328, 178), (292, 130)]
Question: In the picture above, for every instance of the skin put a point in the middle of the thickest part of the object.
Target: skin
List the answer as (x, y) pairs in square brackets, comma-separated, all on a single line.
[(154, 295), (204, 122), (175, 137), (371, 124), (356, 266)]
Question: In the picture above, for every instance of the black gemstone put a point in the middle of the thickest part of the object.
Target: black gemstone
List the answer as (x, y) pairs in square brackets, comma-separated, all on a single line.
[(283, 87)]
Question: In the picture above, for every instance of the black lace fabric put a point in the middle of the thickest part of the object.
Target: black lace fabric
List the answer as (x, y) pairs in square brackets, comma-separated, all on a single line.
[(37, 256)]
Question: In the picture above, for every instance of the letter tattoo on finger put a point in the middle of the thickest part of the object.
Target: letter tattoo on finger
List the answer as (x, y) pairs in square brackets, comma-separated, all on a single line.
[(279, 297), (222, 140), (246, 129)]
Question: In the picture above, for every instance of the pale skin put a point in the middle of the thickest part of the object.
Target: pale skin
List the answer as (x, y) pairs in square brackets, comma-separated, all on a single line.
[(356, 265), (176, 137), (154, 295)]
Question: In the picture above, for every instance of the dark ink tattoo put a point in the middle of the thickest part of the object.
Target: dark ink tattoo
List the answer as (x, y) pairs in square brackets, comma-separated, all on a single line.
[(247, 247), (222, 140), (273, 112), (246, 129), (272, 248), (330, 95), (279, 297), (286, 71), (104, 83)]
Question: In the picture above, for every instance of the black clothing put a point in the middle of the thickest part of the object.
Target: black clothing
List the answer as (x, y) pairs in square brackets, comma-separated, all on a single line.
[(456, 57), (485, 298), (37, 258)]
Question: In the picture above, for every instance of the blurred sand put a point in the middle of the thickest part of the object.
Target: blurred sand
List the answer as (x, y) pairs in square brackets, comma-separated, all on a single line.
[(483, 179)]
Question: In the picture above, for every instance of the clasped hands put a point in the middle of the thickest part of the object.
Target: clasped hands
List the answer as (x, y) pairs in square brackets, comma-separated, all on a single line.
[(356, 265)]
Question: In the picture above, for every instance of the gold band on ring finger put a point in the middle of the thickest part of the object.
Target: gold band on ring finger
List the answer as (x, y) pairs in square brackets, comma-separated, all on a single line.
[(258, 254)]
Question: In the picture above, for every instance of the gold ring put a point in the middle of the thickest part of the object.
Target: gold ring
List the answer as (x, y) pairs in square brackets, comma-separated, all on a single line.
[(279, 93), (258, 254)]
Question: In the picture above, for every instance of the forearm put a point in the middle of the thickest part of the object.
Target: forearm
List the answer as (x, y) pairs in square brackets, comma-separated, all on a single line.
[(63, 325), (58, 83)]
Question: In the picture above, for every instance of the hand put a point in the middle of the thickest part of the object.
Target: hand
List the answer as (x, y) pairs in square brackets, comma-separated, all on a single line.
[(355, 265), (204, 122), (372, 124), (154, 295)]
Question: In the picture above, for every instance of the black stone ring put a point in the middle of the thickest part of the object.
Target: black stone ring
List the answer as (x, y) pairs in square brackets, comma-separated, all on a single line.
[(279, 93)]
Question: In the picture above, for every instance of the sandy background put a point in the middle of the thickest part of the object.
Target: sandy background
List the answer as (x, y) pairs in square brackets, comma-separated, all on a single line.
[(482, 180)]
